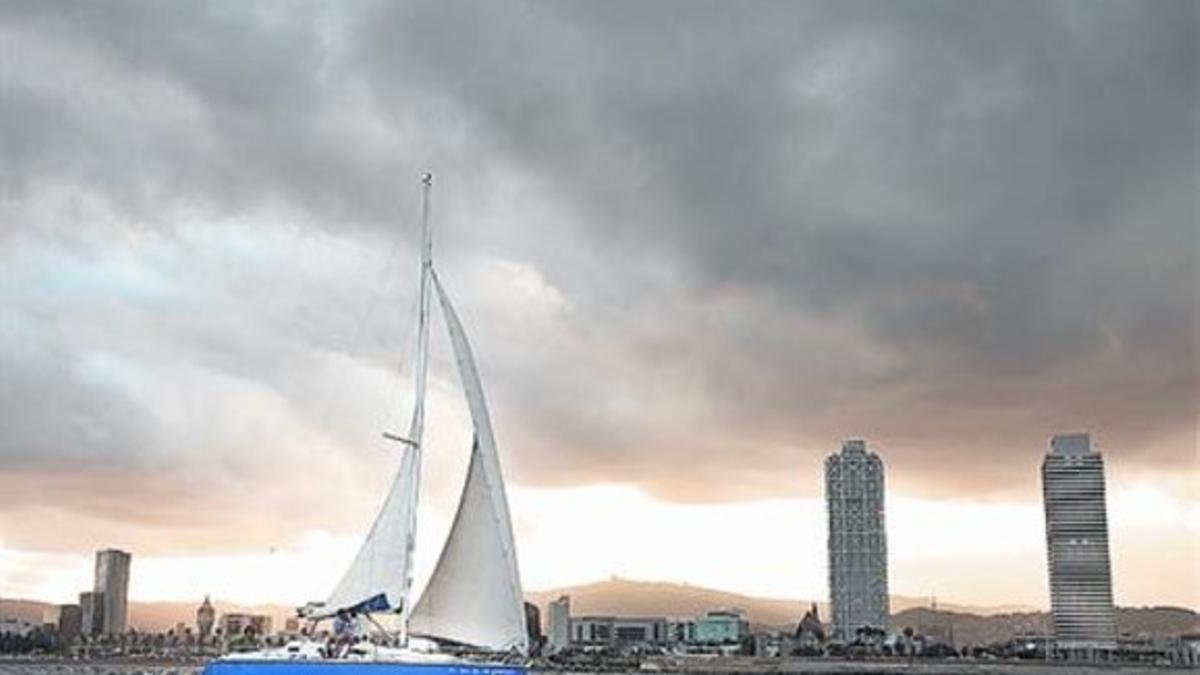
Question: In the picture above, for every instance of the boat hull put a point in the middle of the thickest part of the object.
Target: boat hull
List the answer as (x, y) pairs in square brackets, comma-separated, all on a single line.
[(300, 667)]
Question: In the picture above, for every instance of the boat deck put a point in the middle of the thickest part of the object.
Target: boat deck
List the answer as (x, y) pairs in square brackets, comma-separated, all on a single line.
[(300, 667)]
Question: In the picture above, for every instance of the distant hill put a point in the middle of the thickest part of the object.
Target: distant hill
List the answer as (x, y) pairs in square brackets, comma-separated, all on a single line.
[(1157, 620), (25, 610), (968, 624), (972, 629), (647, 598), (624, 596)]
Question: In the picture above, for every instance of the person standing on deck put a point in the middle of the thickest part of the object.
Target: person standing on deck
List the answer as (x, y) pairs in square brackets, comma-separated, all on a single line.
[(344, 627)]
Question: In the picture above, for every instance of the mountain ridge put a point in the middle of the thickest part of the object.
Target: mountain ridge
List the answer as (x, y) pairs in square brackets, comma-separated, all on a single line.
[(664, 598)]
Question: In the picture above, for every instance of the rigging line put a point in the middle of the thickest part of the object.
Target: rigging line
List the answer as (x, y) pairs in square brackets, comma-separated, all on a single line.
[(363, 324), (355, 347), (402, 369)]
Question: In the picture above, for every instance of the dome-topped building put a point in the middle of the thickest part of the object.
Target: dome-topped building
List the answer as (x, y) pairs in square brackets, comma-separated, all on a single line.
[(205, 617)]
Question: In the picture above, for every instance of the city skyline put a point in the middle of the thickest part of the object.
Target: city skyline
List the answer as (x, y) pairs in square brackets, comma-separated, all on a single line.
[(696, 248)]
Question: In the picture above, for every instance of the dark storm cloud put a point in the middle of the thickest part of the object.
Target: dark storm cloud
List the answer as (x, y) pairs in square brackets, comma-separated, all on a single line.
[(1001, 196), (212, 105), (714, 239), (971, 160)]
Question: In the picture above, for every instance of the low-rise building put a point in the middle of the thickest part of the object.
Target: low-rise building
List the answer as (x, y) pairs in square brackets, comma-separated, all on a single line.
[(619, 630), (810, 632), (235, 624), (723, 626), (50, 615), (1190, 649), (681, 631), (15, 626)]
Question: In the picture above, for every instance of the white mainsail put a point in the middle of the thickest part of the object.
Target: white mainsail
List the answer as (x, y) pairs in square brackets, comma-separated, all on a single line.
[(474, 595), (380, 577)]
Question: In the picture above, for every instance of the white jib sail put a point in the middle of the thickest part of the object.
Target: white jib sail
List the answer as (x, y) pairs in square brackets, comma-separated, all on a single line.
[(382, 564), (474, 595), (380, 577)]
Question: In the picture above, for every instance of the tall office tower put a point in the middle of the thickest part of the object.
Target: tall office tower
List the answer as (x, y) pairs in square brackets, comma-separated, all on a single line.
[(533, 627), (70, 621), (91, 613), (112, 579), (1077, 546), (558, 624), (858, 579)]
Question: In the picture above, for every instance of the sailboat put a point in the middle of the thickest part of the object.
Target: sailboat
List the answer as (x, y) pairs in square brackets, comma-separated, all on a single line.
[(473, 602)]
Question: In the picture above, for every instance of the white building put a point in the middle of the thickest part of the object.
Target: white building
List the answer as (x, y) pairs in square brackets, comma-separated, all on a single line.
[(721, 626), (858, 575), (1077, 546), (15, 626), (234, 624), (558, 624)]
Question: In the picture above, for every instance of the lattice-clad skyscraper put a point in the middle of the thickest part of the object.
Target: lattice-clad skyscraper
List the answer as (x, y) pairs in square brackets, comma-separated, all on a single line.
[(858, 580), (1077, 545)]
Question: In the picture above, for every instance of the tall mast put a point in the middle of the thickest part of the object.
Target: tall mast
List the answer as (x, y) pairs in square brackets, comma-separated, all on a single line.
[(380, 576), (416, 428)]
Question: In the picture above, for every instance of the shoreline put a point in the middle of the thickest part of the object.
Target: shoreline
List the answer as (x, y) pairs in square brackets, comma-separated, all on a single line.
[(126, 666)]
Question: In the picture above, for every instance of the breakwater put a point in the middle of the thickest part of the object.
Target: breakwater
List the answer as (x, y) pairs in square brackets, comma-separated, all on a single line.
[(97, 668)]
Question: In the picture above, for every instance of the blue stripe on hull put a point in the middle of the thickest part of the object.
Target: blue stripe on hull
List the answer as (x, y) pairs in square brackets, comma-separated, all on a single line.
[(233, 667)]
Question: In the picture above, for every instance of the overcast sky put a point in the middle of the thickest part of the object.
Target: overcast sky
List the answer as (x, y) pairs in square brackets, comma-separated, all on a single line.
[(696, 245)]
